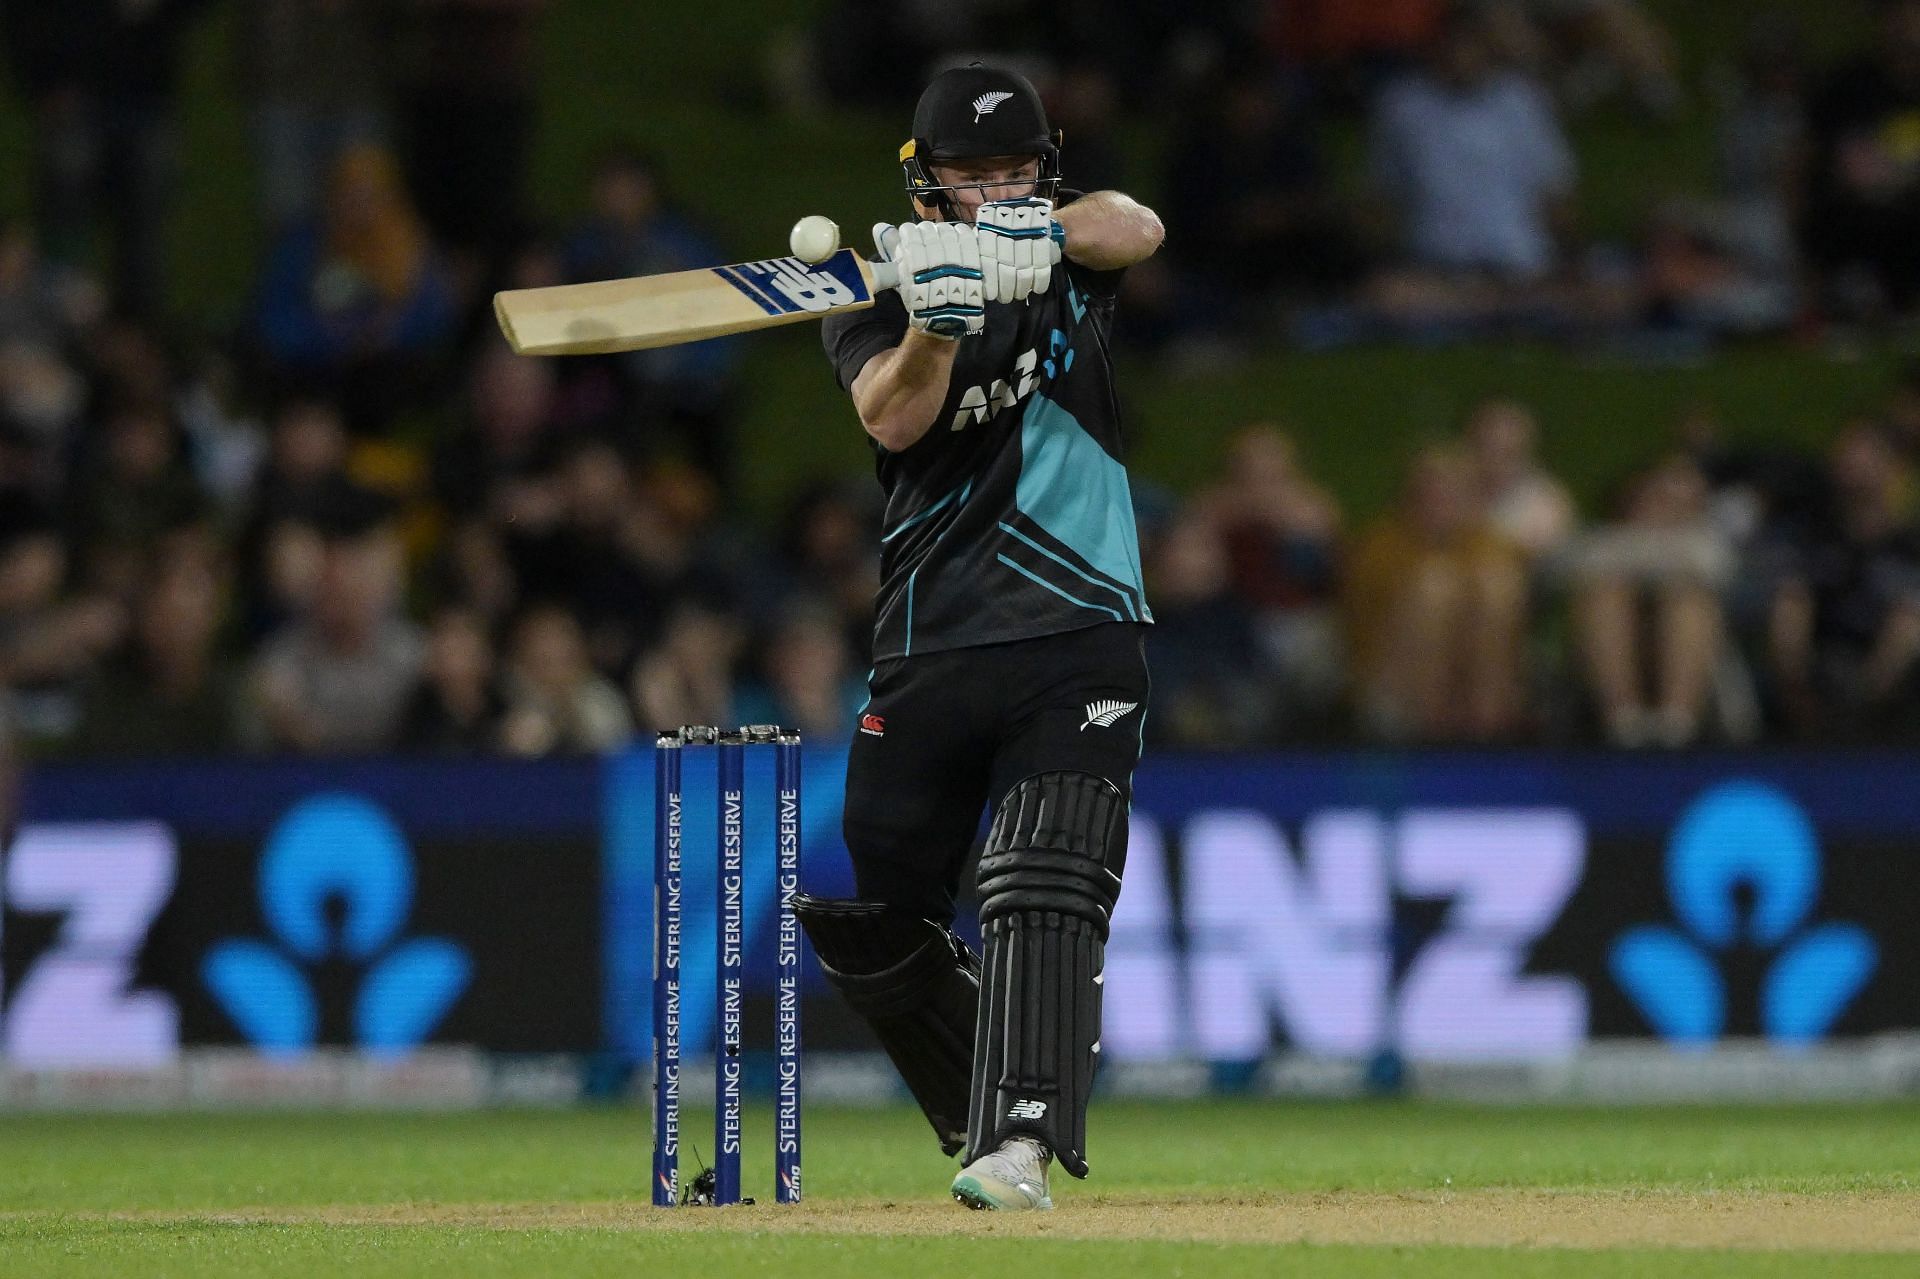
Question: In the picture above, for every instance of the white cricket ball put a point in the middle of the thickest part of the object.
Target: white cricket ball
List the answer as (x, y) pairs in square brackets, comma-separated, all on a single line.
[(814, 238)]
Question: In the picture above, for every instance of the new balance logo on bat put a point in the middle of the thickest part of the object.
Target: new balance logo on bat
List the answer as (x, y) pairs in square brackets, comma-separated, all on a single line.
[(1106, 713), (988, 103), (783, 286), (1027, 1110)]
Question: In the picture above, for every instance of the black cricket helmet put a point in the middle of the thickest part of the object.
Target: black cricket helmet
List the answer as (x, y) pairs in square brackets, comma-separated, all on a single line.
[(972, 112)]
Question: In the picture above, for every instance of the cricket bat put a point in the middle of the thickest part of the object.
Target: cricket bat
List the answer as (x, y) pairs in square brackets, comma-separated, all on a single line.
[(686, 306)]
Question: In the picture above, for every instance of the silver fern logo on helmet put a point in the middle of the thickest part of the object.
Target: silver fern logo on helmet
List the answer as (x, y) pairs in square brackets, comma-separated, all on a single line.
[(988, 103), (1106, 713)]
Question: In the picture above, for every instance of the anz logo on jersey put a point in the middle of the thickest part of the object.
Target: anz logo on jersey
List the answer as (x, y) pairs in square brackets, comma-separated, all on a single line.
[(983, 402)]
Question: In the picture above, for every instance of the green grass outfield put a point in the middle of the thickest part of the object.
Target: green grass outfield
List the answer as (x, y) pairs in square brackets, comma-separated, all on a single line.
[(1208, 1188)]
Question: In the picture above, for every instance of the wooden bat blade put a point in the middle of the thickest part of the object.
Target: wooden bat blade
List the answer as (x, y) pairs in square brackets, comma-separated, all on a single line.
[(685, 306)]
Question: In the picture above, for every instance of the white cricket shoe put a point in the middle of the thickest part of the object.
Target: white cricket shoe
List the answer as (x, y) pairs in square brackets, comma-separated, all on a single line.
[(1010, 1179)]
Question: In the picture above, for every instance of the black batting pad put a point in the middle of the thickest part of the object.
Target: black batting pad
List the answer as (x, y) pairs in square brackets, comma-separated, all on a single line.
[(1039, 1033), (917, 985), (1045, 899)]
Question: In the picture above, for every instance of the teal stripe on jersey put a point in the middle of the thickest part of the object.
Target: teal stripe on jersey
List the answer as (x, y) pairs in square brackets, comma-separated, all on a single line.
[(956, 495), (1074, 490), (1034, 577), (1085, 577), (908, 650)]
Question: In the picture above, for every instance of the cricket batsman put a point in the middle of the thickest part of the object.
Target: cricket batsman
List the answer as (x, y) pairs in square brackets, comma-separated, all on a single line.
[(1010, 669)]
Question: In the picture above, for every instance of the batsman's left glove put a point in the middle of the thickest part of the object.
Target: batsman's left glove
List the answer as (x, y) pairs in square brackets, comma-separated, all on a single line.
[(1020, 244)]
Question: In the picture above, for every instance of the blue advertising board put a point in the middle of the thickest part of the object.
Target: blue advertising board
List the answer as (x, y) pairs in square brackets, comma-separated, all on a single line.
[(1445, 906)]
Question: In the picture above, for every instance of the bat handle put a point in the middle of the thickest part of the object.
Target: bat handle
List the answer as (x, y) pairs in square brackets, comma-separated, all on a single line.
[(885, 275)]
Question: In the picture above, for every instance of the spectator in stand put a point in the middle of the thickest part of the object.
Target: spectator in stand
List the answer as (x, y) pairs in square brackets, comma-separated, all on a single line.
[(1282, 532), (1252, 210), (169, 691), (100, 78), (1844, 630), (303, 483), (133, 486), (1436, 603), (1083, 102), (1902, 412), (1647, 616), (314, 74), (1479, 179), (48, 642), (457, 708), (474, 570), (359, 303), (41, 304), (1211, 684), (688, 677), (495, 462), (42, 401), (495, 471), (26, 484), (468, 75), (1751, 487), (556, 703), (633, 228), (1354, 45), (807, 681), (1522, 501), (1863, 195), (128, 360), (869, 53), (337, 680), (1591, 49), (589, 392), (1730, 264), (1150, 46), (606, 556), (828, 552)]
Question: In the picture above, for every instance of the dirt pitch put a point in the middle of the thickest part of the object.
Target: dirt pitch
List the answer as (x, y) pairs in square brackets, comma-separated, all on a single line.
[(1885, 1222)]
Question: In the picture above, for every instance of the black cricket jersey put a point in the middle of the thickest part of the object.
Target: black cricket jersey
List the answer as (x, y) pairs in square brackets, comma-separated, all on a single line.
[(1011, 517)]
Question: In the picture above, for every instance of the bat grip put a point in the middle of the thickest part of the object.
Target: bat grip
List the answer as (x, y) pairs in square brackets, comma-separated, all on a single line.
[(886, 275)]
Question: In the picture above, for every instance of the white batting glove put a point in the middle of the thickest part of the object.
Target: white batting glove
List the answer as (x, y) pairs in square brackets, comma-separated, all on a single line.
[(940, 275), (1020, 244)]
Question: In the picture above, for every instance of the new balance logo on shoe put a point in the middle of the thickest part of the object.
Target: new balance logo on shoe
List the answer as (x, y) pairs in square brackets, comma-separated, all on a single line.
[(1106, 713), (1027, 1110)]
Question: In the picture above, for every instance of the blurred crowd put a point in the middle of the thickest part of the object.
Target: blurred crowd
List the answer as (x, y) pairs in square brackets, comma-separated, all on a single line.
[(1335, 171), (357, 523), (1723, 595)]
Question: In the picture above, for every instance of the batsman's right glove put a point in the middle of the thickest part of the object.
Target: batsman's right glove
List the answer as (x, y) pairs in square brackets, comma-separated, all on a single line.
[(940, 276)]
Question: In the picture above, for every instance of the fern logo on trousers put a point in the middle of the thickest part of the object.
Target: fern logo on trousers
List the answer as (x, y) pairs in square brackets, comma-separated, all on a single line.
[(1106, 714), (336, 885)]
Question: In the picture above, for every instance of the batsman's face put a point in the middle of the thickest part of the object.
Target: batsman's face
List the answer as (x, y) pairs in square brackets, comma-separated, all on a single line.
[(1003, 177)]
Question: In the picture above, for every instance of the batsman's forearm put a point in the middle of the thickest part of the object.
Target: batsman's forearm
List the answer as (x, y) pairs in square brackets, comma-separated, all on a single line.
[(1108, 230), (899, 392)]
